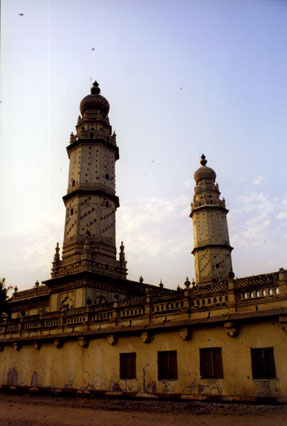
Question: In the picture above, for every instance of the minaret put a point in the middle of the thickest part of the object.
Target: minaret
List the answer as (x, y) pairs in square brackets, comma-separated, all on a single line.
[(91, 200), (212, 250)]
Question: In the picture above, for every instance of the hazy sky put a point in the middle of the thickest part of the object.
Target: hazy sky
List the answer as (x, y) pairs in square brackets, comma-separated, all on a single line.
[(183, 77)]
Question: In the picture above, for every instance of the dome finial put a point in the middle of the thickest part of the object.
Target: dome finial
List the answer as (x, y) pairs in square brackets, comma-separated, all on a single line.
[(95, 90), (203, 160)]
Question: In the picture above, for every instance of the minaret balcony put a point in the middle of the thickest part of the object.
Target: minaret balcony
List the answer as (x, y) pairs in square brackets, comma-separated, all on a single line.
[(107, 141), (206, 204), (91, 189), (90, 186)]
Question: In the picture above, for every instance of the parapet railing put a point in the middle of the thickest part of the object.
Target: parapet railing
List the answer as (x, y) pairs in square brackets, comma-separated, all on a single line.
[(36, 291), (142, 307)]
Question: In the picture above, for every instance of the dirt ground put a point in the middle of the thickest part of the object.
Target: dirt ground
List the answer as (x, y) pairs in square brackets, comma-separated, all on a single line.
[(43, 410)]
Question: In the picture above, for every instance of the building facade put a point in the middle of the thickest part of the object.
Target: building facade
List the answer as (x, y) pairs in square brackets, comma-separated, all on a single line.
[(90, 329)]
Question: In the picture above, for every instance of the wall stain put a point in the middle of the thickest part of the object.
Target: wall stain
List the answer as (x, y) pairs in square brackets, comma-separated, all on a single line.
[(12, 377), (266, 390), (212, 389), (115, 387), (34, 380), (151, 387)]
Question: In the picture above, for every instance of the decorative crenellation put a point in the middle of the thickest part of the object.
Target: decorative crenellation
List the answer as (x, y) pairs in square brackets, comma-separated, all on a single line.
[(192, 300)]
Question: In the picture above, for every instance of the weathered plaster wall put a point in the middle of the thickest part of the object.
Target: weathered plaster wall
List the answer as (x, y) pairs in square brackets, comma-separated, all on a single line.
[(96, 367)]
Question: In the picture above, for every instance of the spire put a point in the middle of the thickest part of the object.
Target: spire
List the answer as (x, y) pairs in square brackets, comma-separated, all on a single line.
[(122, 255), (95, 90), (203, 160), (57, 254), (187, 283)]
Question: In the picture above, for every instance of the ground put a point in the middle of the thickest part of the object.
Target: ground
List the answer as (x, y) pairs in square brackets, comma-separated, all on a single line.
[(39, 410)]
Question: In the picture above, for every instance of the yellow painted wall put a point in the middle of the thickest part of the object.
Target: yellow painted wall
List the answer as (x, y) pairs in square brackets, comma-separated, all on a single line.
[(97, 366)]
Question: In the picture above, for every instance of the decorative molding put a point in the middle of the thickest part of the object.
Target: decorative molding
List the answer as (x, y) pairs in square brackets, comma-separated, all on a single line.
[(111, 339), (58, 343), (36, 345), (146, 337), (283, 320), (231, 329), (184, 333), (16, 346), (83, 342)]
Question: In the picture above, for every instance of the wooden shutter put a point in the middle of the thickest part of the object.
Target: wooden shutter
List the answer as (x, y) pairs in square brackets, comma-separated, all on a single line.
[(172, 365), (211, 363), (167, 365), (217, 363), (128, 366), (263, 365)]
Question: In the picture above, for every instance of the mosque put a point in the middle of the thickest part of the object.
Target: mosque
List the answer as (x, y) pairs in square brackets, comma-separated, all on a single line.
[(90, 329)]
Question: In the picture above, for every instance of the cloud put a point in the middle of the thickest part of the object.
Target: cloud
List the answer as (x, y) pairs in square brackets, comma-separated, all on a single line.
[(258, 180), (27, 252), (157, 233), (158, 236), (282, 216)]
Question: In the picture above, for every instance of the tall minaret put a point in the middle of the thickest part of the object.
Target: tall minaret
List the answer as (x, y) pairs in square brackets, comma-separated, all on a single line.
[(212, 250), (91, 203)]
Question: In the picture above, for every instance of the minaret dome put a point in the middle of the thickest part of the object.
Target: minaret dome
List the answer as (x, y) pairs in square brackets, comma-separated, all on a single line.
[(204, 172), (95, 101)]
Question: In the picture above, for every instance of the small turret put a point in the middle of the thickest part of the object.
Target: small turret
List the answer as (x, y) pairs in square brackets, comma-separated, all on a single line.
[(56, 263), (122, 256), (57, 254)]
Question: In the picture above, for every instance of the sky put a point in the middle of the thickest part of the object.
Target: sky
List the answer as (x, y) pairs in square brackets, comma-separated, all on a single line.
[(183, 77)]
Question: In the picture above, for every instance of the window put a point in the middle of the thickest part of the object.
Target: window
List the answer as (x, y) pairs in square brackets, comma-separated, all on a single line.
[(167, 365), (211, 363), (263, 365), (128, 366)]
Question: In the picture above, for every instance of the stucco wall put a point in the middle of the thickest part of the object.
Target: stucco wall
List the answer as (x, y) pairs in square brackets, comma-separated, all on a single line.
[(96, 367)]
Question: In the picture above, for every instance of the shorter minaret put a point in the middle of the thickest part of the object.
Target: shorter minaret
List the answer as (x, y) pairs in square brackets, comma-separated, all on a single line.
[(212, 250)]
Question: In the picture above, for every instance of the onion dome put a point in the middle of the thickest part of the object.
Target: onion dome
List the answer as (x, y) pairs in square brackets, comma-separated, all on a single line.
[(95, 101), (204, 172)]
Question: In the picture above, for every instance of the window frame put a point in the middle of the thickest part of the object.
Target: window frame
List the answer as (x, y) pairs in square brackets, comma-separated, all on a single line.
[(211, 359), (265, 357), (167, 365), (128, 369)]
